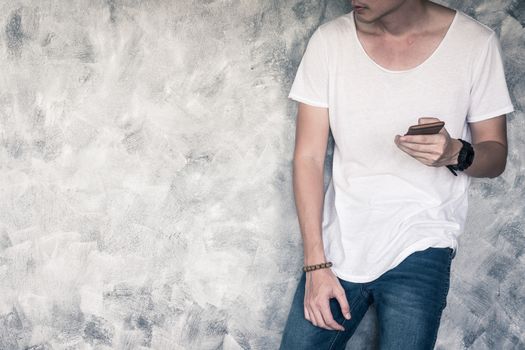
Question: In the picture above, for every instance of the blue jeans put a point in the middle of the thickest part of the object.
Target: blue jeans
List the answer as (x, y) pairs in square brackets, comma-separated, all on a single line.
[(409, 300)]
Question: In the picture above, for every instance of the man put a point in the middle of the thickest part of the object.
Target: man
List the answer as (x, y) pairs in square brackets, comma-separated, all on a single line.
[(387, 227)]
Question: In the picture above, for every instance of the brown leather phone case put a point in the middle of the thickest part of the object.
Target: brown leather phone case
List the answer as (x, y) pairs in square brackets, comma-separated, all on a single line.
[(425, 129)]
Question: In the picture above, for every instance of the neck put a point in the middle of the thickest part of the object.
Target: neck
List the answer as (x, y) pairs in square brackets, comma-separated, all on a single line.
[(409, 17)]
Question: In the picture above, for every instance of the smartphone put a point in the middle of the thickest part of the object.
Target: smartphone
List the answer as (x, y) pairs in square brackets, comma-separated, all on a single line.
[(425, 129)]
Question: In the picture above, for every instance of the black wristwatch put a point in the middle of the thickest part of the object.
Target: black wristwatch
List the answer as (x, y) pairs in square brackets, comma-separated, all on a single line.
[(465, 158)]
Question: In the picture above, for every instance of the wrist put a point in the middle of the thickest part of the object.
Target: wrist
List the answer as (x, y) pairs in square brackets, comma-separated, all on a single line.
[(455, 149), (314, 252), (312, 259)]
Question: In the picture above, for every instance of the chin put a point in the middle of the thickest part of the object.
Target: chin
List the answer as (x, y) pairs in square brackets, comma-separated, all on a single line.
[(365, 18)]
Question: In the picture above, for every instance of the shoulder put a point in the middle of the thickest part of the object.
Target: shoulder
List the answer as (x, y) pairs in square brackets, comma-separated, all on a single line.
[(334, 28), (336, 24), (472, 32)]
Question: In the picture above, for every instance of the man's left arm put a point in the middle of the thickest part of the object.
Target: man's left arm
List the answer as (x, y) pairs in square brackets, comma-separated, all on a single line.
[(489, 140)]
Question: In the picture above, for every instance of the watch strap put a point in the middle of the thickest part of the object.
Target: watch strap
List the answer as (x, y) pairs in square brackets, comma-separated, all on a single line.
[(465, 157)]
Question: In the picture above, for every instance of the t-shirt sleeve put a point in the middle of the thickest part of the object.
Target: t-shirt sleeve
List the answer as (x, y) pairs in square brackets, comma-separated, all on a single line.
[(310, 85), (489, 95)]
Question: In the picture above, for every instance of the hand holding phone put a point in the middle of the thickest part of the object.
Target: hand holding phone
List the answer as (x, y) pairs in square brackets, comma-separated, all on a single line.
[(428, 129)]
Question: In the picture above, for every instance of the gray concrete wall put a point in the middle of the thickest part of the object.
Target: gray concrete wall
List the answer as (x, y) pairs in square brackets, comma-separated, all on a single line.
[(146, 197)]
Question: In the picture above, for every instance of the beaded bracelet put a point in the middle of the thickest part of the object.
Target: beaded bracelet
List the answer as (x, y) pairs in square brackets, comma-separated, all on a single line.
[(318, 266)]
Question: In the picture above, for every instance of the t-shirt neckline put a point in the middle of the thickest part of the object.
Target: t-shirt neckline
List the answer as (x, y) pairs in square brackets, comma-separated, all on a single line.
[(434, 53)]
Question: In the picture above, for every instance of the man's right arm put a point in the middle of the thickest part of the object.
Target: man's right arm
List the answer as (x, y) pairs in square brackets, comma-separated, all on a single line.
[(308, 165), (308, 169)]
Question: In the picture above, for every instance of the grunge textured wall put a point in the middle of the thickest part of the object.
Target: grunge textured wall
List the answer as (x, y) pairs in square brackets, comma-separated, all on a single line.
[(145, 178)]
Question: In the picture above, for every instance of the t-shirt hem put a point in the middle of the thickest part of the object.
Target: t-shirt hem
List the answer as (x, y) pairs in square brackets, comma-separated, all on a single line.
[(307, 101), (418, 246), (497, 113)]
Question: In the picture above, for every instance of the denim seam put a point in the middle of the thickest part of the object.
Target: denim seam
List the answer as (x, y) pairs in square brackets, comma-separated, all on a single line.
[(363, 292), (336, 335), (444, 297), (342, 324)]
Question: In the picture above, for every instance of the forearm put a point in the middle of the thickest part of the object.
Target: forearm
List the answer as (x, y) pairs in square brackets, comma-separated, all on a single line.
[(490, 158), (309, 197)]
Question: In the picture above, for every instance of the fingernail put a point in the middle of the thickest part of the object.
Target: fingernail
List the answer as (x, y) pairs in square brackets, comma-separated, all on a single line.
[(347, 316)]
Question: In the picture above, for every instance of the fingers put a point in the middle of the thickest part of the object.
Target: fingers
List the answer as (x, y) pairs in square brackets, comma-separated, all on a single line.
[(424, 157), (319, 317), (422, 139), (422, 148), (426, 120), (343, 302), (322, 315), (314, 315), (326, 313), (306, 313)]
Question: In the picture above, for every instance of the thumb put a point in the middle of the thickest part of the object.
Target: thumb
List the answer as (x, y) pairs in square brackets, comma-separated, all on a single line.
[(426, 120), (343, 302)]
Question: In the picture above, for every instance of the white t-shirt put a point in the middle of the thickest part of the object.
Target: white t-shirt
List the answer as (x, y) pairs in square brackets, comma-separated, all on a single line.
[(381, 204)]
